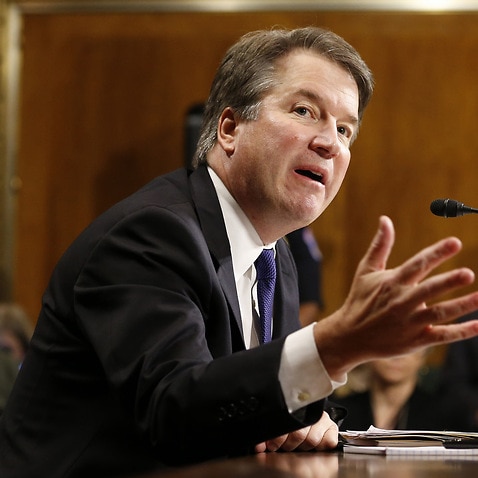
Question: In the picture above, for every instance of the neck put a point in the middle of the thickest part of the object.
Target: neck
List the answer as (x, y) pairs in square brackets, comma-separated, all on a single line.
[(388, 400), (268, 226)]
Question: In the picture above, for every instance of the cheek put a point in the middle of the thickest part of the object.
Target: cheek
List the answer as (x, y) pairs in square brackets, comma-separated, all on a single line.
[(341, 166), (344, 161)]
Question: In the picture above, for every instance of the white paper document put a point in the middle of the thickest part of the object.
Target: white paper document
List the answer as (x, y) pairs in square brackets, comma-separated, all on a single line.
[(409, 443)]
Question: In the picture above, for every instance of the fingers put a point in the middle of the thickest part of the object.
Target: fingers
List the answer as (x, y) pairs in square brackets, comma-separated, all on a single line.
[(260, 448), (419, 266), (436, 286), (379, 250), (451, 309), (414, 269), (287, 442), (322, 435), (325, 437), (330, 439), (445, 334), (407, 287)]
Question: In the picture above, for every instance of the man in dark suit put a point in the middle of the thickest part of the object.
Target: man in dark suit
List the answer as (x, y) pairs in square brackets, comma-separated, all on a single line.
[(145, 352)]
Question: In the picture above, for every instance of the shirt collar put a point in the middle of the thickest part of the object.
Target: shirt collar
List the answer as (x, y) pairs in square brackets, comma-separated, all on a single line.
[(246, 245)]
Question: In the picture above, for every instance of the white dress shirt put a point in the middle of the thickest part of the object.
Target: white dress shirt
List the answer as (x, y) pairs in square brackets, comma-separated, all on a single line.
[(302, 375)]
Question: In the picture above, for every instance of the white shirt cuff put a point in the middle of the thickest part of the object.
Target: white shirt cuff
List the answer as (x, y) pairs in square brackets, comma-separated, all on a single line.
[(302, 374)]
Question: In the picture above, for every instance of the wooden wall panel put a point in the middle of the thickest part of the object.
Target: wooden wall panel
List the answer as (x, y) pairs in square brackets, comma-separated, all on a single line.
[(104, 98)]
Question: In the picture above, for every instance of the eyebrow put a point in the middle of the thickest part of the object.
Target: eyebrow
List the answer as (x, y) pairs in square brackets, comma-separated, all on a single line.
[(317, 99)]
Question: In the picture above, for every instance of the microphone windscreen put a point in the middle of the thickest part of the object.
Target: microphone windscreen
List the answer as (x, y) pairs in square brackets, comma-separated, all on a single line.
[(438, 207)]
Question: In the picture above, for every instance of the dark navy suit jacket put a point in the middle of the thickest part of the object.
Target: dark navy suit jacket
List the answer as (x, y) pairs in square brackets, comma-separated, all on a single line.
[(138, 359)]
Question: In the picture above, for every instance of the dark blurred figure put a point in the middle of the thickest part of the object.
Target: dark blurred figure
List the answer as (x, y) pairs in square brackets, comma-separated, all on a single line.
[(15, 333), (192, 129), (308, 259), (8, 374), (16, 330), (459, 373)]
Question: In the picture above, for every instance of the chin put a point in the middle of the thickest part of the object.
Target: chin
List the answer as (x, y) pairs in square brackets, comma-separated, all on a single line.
[(303, 212), (311, 215)]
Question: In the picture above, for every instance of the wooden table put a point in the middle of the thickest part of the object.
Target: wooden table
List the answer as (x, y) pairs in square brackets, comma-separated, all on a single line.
[(326, 465)]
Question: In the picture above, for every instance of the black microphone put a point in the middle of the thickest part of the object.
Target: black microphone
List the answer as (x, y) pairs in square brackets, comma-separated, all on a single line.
[(450, 208)]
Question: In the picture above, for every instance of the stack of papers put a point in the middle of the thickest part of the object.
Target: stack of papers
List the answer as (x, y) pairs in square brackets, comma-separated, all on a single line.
[(411, 442)]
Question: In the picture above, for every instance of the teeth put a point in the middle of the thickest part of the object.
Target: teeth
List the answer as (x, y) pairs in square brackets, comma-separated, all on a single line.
[(310, 174)]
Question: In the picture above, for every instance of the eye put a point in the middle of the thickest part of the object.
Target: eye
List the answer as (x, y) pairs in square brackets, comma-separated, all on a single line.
[(345, 131), (342, 130), (303, 111)]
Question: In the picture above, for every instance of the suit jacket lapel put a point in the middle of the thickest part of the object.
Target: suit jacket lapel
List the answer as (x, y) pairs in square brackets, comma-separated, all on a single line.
[(212, 224), (286, 301)]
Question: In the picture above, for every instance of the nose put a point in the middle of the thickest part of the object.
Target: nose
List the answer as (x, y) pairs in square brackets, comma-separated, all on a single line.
[(326, 142)]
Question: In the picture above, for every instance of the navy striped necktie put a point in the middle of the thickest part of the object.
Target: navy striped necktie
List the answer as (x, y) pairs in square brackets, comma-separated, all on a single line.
[(266, 280)]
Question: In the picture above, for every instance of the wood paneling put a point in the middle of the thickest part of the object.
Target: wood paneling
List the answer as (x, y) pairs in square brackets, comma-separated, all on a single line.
[(103, 100)]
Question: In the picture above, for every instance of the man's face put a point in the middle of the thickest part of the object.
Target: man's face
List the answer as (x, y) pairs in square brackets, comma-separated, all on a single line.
[(285, 167)]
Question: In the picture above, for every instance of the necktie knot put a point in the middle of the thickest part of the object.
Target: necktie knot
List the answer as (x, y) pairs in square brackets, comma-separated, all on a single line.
[(266, 265), (266, 279)]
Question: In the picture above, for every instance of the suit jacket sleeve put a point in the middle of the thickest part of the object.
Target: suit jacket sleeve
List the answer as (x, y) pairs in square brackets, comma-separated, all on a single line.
[(151, 306)]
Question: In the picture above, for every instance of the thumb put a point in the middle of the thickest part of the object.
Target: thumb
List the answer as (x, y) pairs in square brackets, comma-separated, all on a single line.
[(379, 250)]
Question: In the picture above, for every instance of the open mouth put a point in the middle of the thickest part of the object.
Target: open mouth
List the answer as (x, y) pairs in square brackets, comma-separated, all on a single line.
[(309, 174)]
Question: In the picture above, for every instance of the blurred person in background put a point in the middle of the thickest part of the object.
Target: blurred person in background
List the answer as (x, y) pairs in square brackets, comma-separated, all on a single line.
[(308, 259), (396, 398), (8, 374), (15, 333), (16, 330), (459, 372)]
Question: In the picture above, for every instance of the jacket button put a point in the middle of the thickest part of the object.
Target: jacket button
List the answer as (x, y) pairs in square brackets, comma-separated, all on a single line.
[(252, 404)]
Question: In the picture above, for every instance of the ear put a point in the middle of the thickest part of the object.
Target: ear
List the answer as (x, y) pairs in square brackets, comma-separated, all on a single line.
[(226, 130)]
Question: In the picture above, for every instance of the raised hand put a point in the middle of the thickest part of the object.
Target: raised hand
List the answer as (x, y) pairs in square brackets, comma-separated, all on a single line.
[(394, 311)]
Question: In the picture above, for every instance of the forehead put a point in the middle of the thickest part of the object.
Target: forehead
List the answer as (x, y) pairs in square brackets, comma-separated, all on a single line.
[(304, 60), (306, 70)]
